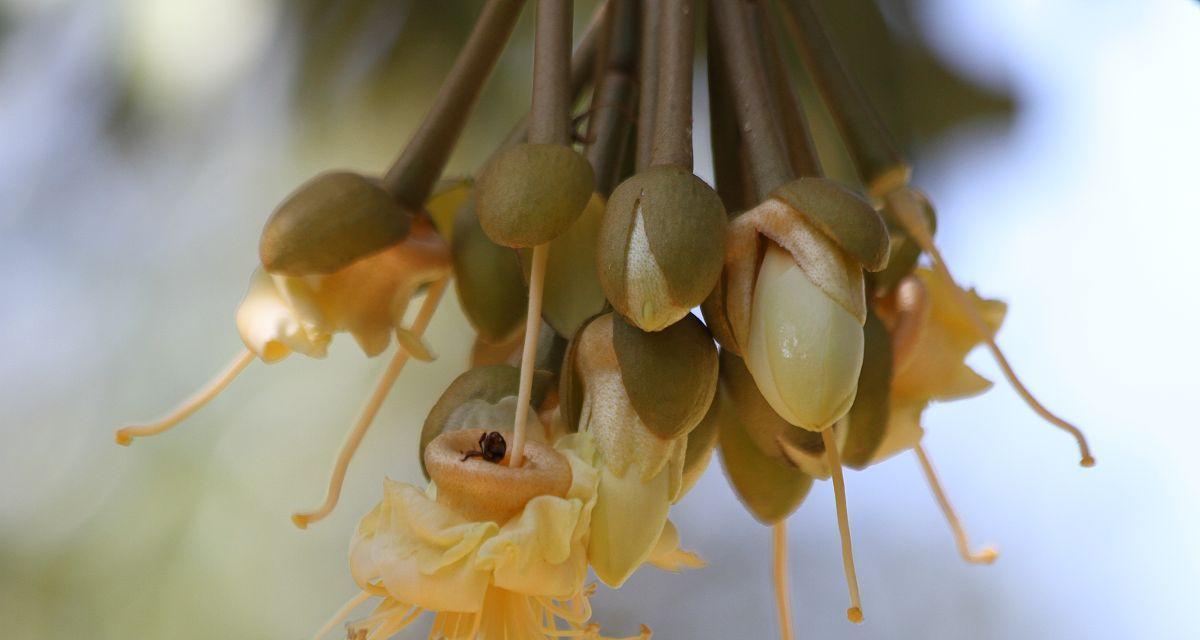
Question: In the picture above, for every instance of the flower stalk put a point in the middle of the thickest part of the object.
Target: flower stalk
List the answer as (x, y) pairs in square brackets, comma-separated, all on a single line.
[(412, 176)]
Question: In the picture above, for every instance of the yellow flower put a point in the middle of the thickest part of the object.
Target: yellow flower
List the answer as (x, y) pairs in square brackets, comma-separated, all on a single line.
[(510, 577), (366, 299), (931, 338), (640, 474)]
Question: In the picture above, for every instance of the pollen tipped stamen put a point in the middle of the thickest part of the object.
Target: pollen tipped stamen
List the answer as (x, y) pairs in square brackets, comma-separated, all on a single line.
[(355, 436), (986, 555), (904, 205), (854, 613), (125, 435), (782, 601)]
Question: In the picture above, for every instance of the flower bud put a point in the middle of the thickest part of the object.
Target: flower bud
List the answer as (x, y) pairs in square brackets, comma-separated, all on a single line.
[(805, 349), (572, 292), (330, 222), (661, 247), (531, 193), (487, 277)]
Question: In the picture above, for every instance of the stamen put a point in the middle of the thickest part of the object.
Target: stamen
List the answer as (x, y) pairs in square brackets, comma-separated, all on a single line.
[(904, 204), (342, 614), (782, 602), (854, 613), (986, 555), (125, 436), (356, 434), (533, 319)]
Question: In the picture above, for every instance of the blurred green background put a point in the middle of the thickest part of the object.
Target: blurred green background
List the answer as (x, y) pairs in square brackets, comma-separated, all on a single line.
[(145, 142)]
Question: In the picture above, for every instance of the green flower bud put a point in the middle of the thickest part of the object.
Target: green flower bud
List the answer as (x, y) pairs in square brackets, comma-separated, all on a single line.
[(530, 194), (770, 490), (775, 437), (330, 222), (841, 214), (572, 291), (487, 276), (662, 245)]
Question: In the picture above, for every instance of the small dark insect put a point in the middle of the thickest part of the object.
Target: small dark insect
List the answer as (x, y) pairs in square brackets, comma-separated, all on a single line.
[(491, 447)]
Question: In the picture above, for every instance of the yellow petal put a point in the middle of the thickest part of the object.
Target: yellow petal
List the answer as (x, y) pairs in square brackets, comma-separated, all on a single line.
[(626, 523), (270, 327)]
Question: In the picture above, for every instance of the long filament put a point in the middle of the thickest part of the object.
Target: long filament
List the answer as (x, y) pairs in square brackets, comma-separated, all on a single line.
[(342, 614), (782, 602), (986, 555), (355, 436), (854, 613), (906, 208), (533, 321), (125, 435)]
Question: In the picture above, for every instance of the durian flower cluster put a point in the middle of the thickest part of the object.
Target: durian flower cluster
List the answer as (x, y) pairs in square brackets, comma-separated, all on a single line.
[(597, 394)]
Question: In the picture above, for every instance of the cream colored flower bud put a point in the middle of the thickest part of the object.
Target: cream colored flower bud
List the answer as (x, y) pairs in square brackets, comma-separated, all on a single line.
[(805, 349)]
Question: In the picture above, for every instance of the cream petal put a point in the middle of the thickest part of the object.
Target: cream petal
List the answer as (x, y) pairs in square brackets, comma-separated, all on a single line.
[(645, 285), (270, 326), (903, 430), (805, 350)]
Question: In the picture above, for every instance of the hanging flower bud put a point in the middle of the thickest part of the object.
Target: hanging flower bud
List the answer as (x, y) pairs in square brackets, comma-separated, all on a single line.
[(530, 194), (330, 222), (796, 314), (640, 472), (572, 288), (661, 245), (487, 277)]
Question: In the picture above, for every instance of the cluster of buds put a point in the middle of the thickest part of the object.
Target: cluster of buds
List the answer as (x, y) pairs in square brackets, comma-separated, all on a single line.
[(595, 397)]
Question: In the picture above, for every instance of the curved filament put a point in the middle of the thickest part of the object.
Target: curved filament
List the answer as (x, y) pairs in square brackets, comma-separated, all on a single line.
[(342, 614), (908, 211), (986, 555), (356, 434), (125, 436)]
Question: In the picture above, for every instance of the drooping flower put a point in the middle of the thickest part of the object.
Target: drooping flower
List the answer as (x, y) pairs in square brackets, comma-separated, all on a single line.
[(493, 551)]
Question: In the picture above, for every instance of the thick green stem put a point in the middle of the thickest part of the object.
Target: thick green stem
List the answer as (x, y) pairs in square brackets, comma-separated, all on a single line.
[(769, 164), (729, 167), (551, 113), (414, 173), (880, 164), (583, 71), (673, 111), (651, 11), (796, 136), (613, 101)]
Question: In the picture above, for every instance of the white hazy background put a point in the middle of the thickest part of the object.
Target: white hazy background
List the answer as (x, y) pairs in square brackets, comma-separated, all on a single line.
[(121, 265)]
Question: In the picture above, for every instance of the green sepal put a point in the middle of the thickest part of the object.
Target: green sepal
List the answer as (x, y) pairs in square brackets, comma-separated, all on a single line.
[(530, 194), (487, 277), (843, 215), (670, 376), (868, 416), (328, 223)]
